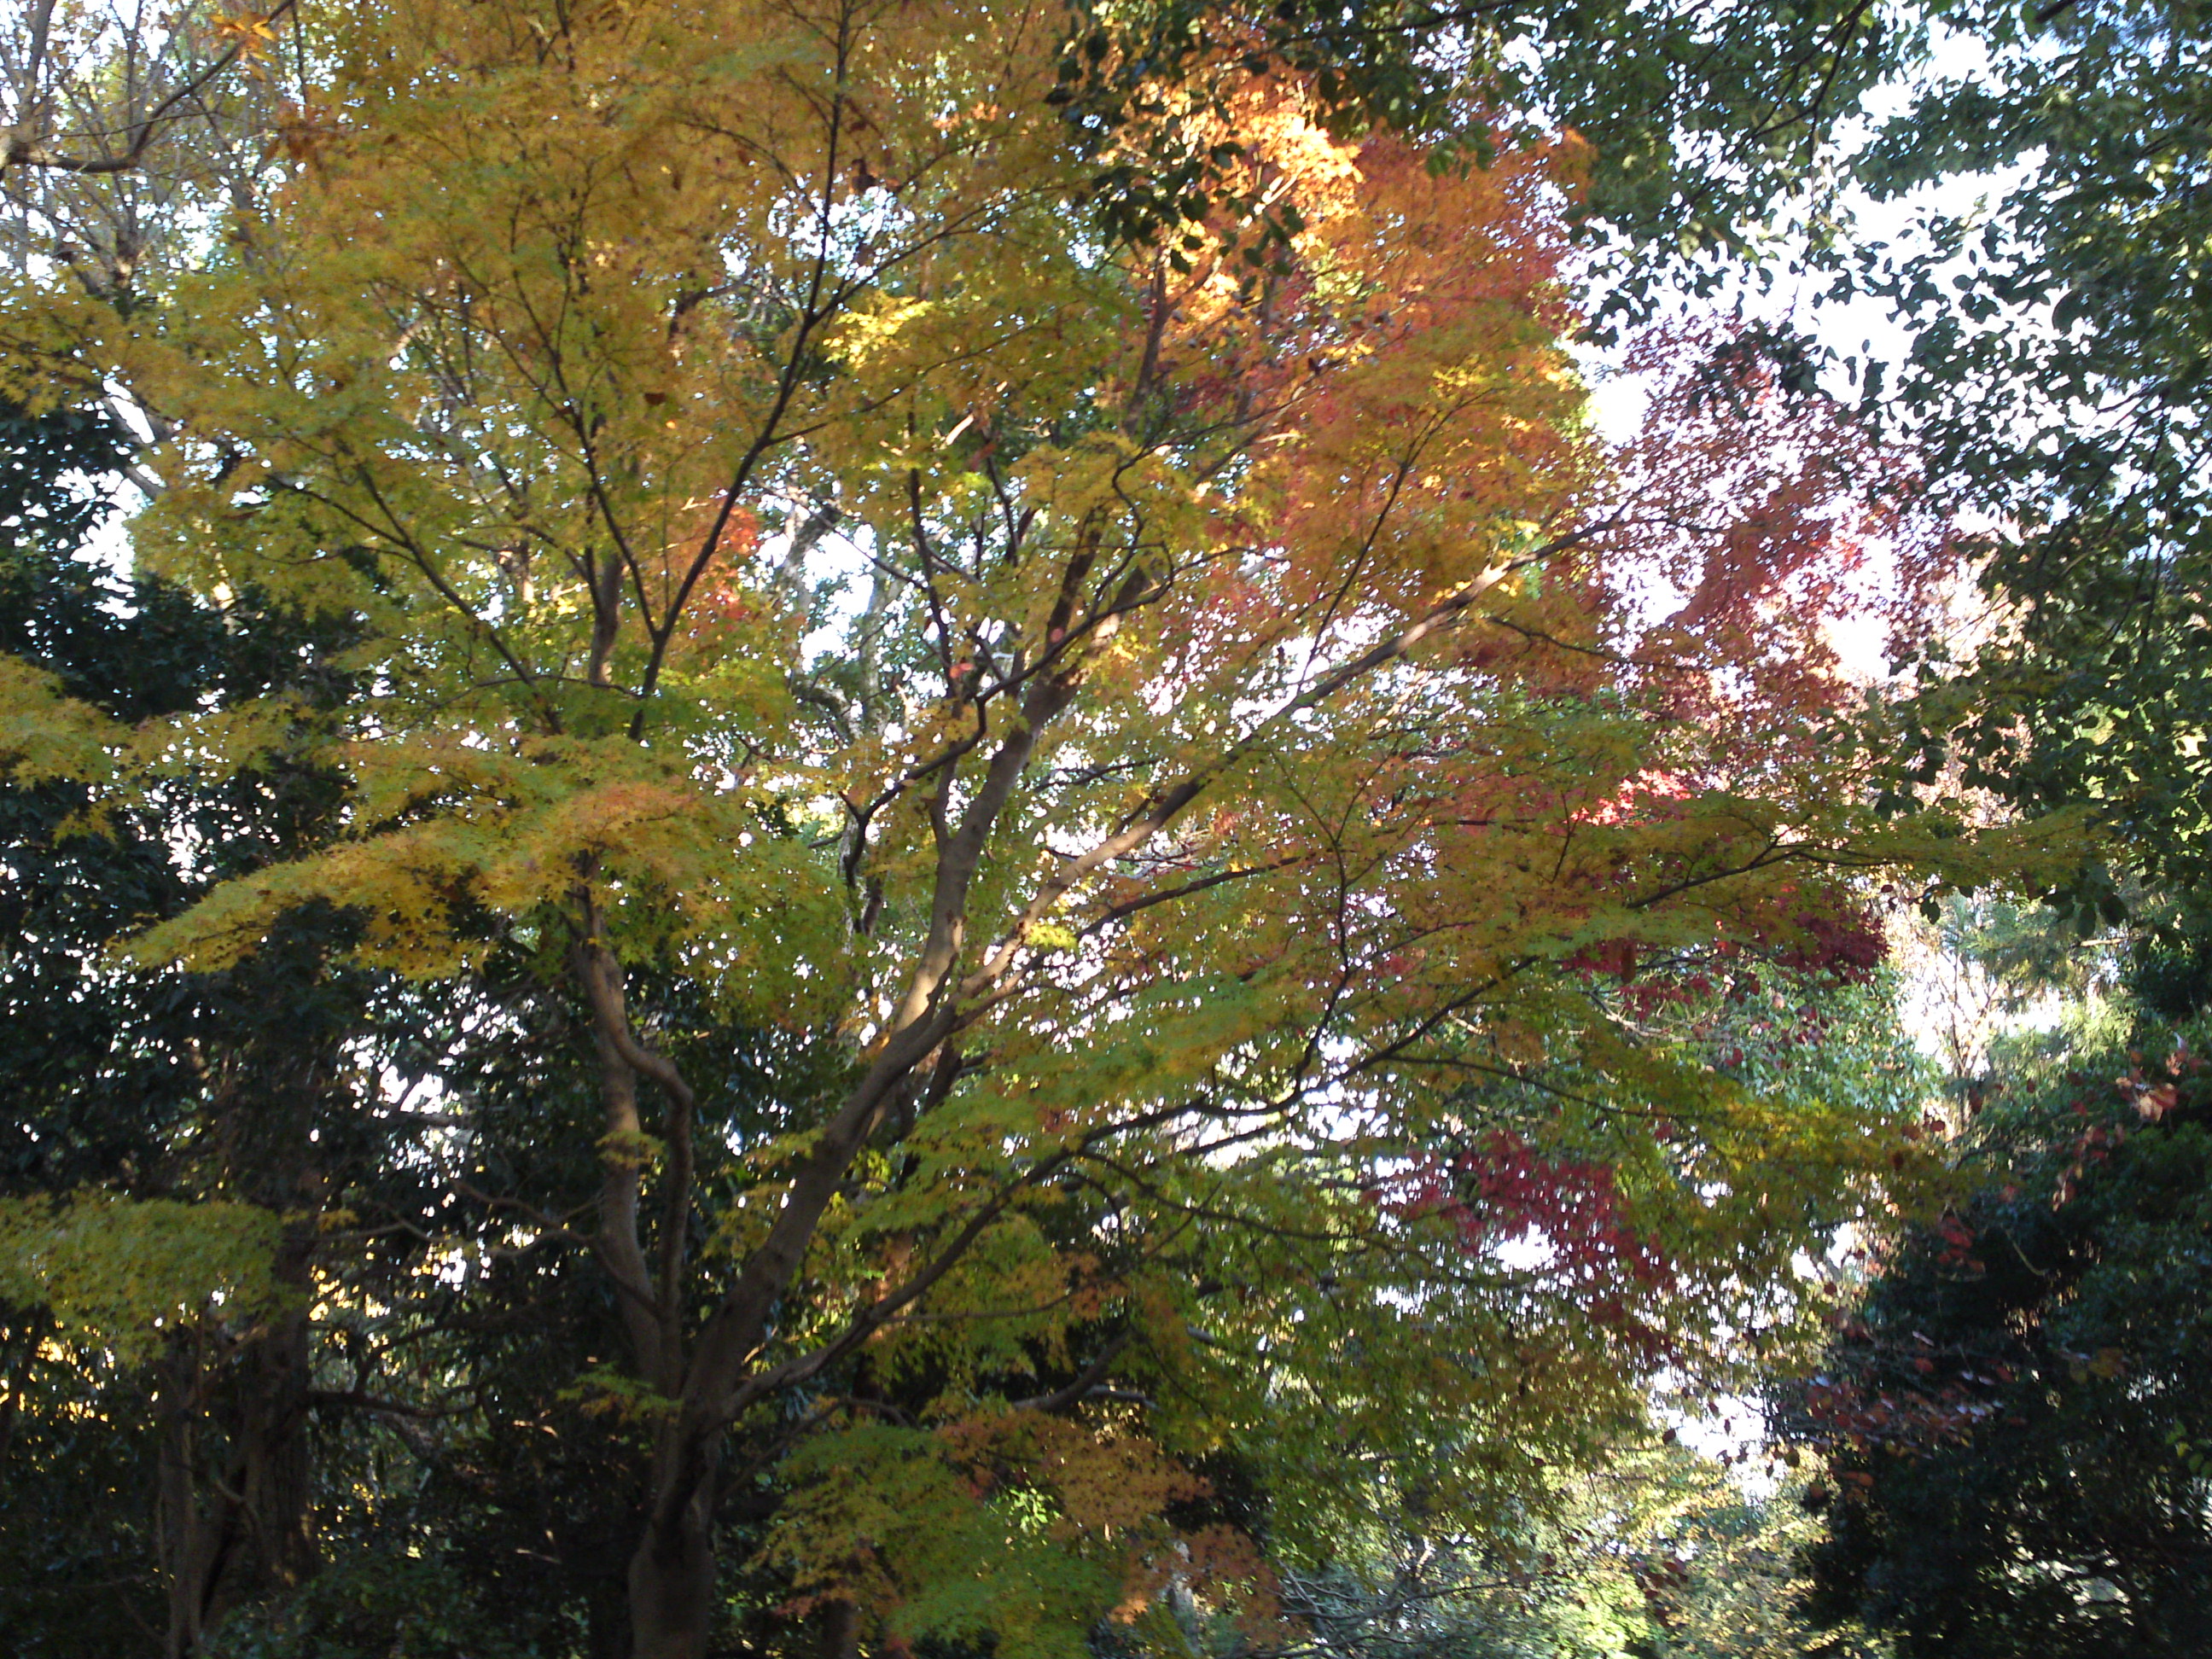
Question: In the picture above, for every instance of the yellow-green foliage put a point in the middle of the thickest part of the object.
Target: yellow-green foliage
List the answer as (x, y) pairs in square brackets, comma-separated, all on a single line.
[(121, 1273), (1211, 789)]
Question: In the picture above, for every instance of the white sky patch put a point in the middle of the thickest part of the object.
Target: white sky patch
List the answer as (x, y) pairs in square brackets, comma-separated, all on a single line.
[(840, 556), (1734, 1434), (108, 546)]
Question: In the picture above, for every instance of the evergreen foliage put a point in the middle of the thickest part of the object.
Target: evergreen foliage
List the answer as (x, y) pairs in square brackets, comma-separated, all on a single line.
[(2014, 1420)]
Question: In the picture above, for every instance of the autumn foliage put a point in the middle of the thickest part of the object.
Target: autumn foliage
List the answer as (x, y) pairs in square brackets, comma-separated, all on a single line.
[(1163, 738)]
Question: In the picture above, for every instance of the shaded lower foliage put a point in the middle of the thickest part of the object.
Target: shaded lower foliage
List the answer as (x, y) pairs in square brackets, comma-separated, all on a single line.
[(161, 1474), (2016, 1422)]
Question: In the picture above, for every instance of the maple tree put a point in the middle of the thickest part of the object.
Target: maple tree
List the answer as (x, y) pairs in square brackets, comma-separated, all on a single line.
[(1134, 835)]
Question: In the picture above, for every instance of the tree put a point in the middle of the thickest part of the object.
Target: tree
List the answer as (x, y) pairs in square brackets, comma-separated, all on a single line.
[(180, 1148), (2011, 1421), (1104, 807), (2054, 383), (2038, 1331)]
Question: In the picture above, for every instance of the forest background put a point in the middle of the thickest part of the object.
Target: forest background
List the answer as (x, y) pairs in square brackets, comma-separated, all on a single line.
[(880, 829)]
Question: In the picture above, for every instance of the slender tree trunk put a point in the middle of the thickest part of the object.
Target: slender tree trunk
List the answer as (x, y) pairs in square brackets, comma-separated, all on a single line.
[(841, 1631), (193, 1535), (235, 1501), (278, 1455)]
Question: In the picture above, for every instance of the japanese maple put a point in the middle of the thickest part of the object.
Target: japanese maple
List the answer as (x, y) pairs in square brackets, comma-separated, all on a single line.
[(1174, 734)]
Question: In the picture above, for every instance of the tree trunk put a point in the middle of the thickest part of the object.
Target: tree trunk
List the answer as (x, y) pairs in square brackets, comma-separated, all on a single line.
[(277, 1457), (194, 1538), (841, 1631), (235, 1500), (671, 1584), (229, 1535)]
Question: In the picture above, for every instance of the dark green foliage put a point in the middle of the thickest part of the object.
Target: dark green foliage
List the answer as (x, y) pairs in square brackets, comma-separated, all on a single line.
[(2169, 974), (232, 1086), (54, 474), (76, 1573), (2016, 1423), (101, 1067), (378, 1606)]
